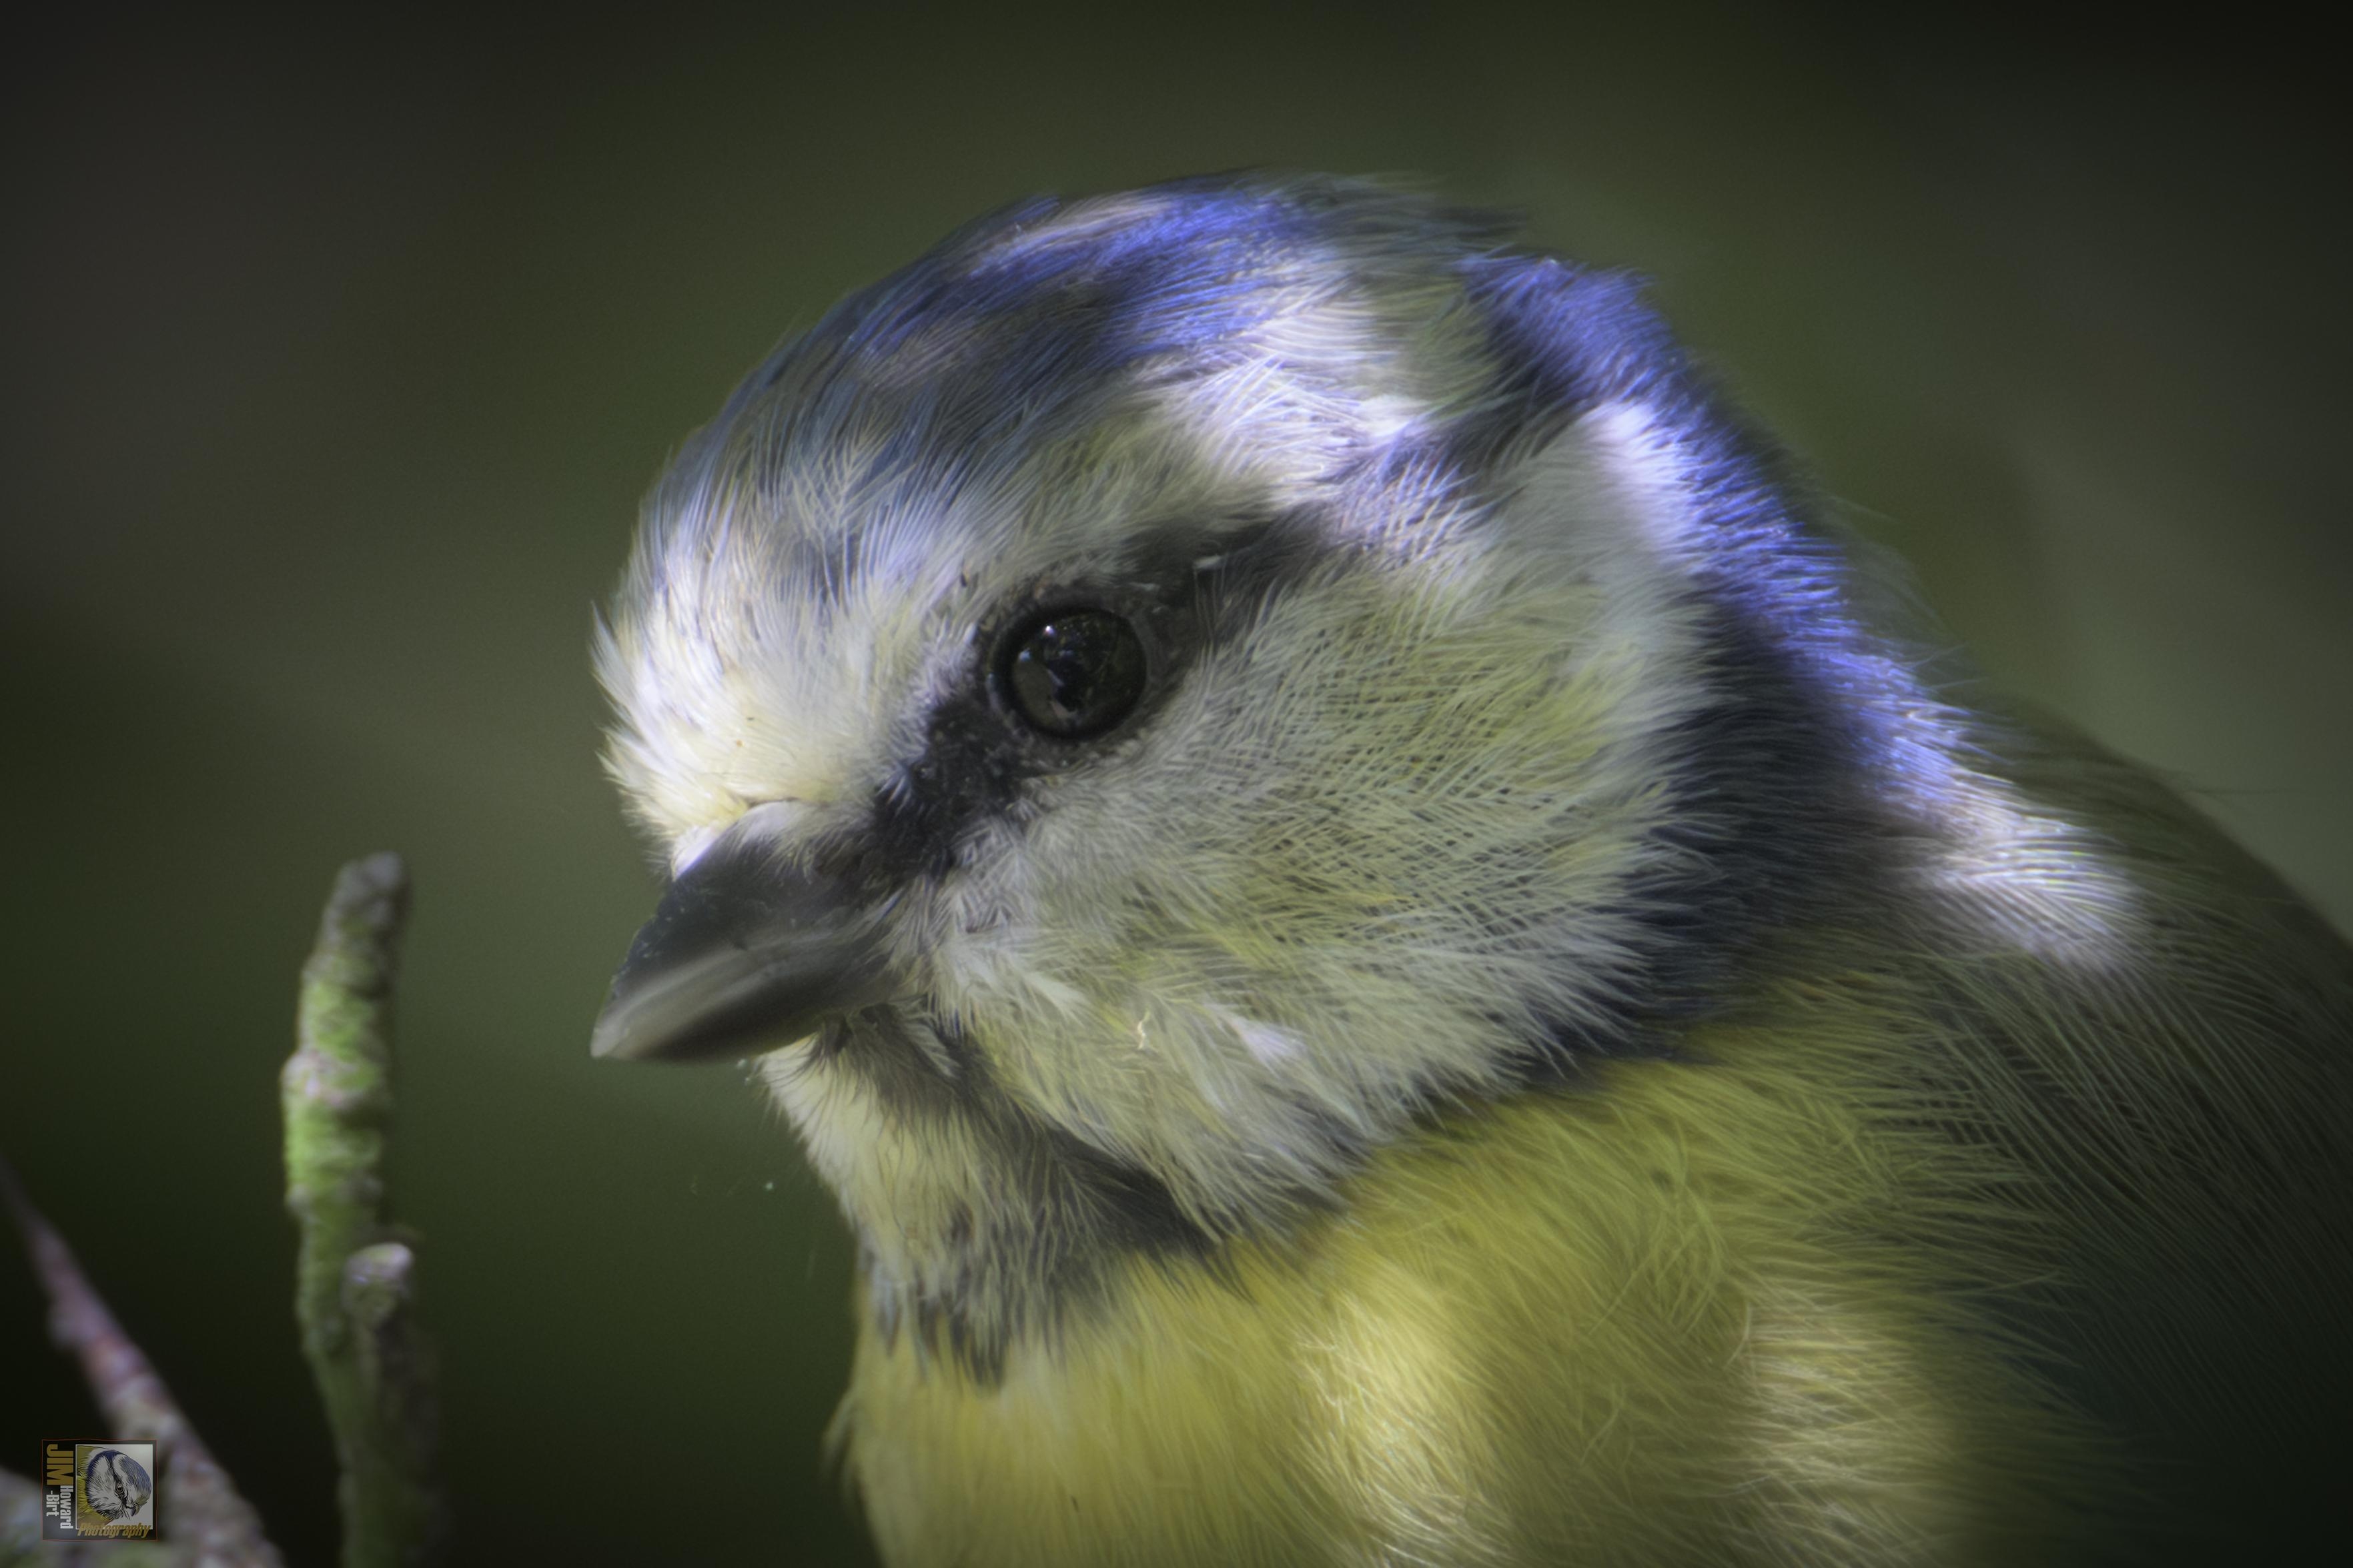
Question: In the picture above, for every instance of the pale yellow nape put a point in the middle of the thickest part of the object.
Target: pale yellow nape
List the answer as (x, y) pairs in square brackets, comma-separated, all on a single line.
[(1677, 1314)]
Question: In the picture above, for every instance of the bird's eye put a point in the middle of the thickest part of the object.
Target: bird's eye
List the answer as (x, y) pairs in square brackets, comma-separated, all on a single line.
[(1073, 673)]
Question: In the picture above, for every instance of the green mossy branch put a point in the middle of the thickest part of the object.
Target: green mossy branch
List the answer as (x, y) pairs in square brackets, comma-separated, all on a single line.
[(355, 1293), (355, 1276)]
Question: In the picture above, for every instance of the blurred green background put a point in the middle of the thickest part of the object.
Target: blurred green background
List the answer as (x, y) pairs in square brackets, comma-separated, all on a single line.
[(336, 365)]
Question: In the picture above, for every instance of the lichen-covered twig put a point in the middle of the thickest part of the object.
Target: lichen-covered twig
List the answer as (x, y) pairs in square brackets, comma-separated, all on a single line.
[(207, 1521), (355, 1278)]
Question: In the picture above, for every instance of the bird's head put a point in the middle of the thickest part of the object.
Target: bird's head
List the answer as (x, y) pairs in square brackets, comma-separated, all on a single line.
[(1147, 702)]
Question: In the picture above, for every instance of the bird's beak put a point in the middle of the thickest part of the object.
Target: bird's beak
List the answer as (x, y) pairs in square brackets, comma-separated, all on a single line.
[(743, 954)]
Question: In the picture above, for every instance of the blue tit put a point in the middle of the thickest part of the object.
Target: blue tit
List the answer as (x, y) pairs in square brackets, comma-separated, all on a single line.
[(1393, 963)]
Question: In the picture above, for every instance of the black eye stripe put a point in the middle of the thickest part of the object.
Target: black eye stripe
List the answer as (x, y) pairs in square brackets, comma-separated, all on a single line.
[(1193, 588)]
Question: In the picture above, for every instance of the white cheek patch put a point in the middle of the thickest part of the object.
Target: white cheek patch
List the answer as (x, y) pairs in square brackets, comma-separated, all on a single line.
[(1297, 900)]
